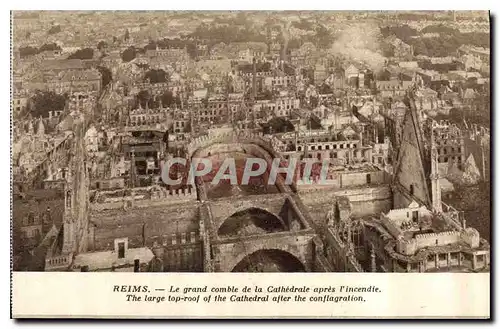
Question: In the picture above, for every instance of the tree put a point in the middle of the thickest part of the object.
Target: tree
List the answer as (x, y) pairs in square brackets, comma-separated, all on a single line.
[(45, 101), (325, 89), (178, 100), (156, 76), (27, 51), (192, 51), (265, 94), (49, 47), (143, 97), (150, 46), (303, 24), (162, 44), (241, 18), (143, 66), (278, 125), (475, 202), (383, 75), (403, 32), (387, 50), (106, 75), (101, 45), (187, 127), (154, 102), (323, 37), (447, 43), (54, 29), (128, 54), (167, 98), (294, 43), (441, 29), (314, 101), (85, 53), (233, 32)]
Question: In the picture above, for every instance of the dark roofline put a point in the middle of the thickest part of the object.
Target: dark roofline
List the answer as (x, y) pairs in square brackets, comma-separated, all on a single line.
[(412, 115)]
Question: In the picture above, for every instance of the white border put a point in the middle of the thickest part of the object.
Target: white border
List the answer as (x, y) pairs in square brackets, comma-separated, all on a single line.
[(256, 5), (185, 5)]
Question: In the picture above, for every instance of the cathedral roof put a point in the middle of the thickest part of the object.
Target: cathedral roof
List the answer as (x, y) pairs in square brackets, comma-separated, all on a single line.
[(412, 152)]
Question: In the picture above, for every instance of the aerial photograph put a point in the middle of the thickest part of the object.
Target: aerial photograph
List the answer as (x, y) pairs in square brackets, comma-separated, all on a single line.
[(250, 141)]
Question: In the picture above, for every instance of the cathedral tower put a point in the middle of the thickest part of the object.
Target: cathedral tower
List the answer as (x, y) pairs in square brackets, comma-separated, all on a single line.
[(76, 198), (435, 186), (411, 172)]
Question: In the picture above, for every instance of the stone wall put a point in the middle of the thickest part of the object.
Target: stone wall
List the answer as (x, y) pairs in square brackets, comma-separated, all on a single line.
[(351, 179), (343, 180), (471, 237), (421, 241), (364, 201), (143, 198), (391, 227), (179, 252), (370, 208), (231, 251), (140, 225), (222, 209), (336, 252)]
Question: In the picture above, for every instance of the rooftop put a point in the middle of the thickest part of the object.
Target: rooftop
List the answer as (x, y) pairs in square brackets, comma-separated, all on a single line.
[(107, 259), (62, 64)]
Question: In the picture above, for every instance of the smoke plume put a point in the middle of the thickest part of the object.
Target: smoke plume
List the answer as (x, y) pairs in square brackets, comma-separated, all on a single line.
[(360, 43)]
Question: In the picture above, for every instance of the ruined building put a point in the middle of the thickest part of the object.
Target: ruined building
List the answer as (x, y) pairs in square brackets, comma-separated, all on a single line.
[(420, 233), (395, 226)]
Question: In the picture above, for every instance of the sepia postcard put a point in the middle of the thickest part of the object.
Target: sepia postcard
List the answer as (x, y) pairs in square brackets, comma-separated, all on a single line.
[(250, 164)]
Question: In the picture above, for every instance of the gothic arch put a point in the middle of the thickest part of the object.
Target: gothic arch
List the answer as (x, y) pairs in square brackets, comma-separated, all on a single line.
[(269, 260), (251, 220), (263, 146)]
